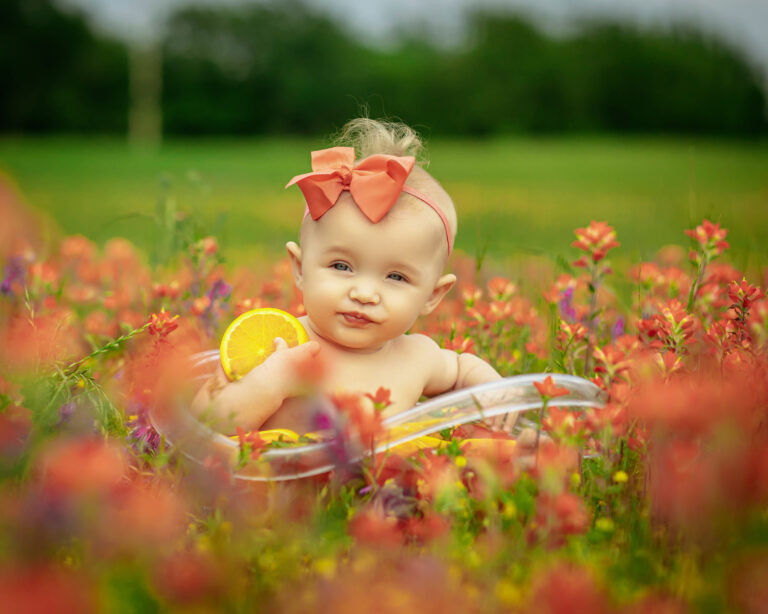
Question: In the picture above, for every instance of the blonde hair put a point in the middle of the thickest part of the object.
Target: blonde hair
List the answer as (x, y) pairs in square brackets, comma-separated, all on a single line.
[(373, 136)]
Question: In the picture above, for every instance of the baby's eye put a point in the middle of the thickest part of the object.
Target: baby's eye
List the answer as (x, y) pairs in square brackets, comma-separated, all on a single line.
[(396, 277), (341, 266)]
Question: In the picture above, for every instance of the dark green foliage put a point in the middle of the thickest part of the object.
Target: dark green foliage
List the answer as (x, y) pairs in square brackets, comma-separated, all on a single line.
[(57, 75), (279, 67)]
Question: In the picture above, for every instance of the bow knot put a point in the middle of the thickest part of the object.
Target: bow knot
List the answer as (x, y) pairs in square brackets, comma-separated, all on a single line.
[(345, 174), (375, 183)]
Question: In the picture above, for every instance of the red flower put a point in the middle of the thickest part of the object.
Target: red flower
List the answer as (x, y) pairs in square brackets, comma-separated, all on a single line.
[(565, 589), (501, 288), (200, 305), (548, 390), (460, 344), (209, 245), (162, 324), (570, 513), (672, 327), (146, 514), (710, 237), (251, 441), (570, 333), (561, 421), (373, 528), (246, 305), (471, 295), (381, 400), (597, 240), (44, 588), (427, 528), (82, 467), (669, 363), (611, 360), (360, 419), (188, 577), (742, 295)]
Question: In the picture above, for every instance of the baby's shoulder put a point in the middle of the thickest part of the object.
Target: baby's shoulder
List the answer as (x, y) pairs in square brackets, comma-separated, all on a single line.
[(419, 345)]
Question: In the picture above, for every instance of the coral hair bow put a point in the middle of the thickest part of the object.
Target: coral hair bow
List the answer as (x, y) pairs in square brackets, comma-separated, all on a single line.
[(375, 183)]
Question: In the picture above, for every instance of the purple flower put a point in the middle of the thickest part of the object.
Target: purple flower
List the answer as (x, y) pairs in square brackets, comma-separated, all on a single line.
[(14, 271), (65, 412), (565, 304), (141, 434), (617, 330), (322, 421), (219, 289), (394, 501), (326, 418)]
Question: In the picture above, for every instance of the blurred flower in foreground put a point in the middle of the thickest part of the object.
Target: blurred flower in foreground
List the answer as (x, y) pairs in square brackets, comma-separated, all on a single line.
[(44, 588), (81, 467)]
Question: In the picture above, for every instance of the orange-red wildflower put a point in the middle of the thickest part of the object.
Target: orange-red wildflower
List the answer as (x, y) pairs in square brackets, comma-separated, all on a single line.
[(162, 324), (597, 240), (710, 236), (549, 390)]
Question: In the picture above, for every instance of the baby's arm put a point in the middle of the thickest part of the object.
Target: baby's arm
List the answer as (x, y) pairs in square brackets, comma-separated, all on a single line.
[(452, 371), (473, 371), (251, 400)]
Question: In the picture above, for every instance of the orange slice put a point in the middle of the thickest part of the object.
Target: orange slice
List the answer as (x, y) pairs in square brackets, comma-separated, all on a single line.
[(250, 339)]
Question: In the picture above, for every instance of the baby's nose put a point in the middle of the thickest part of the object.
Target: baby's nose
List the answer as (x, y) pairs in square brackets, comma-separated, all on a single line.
[(364, 292)]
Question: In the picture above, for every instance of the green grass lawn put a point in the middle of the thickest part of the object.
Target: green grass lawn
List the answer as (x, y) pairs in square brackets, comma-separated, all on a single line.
[(514, 196)]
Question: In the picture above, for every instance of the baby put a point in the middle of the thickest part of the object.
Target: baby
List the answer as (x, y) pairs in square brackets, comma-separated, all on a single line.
[(374, 242)]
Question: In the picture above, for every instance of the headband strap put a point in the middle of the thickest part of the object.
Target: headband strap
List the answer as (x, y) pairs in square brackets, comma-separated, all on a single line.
[(375, 184)]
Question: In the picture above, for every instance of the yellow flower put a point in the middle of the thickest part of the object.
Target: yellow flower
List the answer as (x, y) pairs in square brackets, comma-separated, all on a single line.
[(203, 543), (604, 524), (325, 567), (507, 592), (620, 477), (509, 510)]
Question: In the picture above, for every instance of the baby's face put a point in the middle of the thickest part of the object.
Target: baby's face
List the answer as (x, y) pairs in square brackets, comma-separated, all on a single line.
[(365, 284)]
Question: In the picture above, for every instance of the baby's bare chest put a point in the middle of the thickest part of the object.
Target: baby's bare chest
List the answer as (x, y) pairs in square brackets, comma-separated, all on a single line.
[(405, 375)]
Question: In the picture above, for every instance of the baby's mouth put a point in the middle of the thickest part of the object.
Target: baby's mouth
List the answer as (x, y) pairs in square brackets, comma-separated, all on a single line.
[(355, 318)]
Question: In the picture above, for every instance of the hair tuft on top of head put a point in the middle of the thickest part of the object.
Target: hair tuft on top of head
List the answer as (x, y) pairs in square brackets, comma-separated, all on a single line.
[(372, 136)]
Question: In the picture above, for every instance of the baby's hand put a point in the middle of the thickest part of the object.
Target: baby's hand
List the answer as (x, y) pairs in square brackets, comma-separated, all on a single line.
[(283, 367), (504, 423)]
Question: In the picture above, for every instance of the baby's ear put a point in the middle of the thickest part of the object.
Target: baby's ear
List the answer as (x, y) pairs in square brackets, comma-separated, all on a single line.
[(443, 285), (294, 253)]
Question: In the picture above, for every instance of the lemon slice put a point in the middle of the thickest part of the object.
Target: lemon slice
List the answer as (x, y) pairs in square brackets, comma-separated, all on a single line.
[(250, 339)]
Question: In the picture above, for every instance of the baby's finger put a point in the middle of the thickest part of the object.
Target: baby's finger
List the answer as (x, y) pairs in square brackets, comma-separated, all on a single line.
[(303, 354), (280, 344), (527, 438), (509, 422), (308, 349)]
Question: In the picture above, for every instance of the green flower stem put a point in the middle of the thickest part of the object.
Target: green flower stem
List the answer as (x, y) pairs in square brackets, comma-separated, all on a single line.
[(104, 349), (592, 315), (702, 267), (542, 409)]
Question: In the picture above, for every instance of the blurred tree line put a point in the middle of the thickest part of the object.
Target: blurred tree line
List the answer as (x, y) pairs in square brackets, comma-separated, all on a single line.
[(280, 68)]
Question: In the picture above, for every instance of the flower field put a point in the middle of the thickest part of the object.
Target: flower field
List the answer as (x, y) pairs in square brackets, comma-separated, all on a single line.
[(657, 502)]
